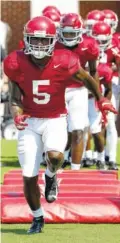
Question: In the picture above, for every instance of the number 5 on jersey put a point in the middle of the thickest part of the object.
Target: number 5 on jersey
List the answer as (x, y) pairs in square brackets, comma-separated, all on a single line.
[(45, 97)]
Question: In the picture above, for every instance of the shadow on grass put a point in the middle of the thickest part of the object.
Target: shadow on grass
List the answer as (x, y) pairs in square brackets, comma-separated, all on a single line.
[(24, 231), (9, 161), (15, 231)]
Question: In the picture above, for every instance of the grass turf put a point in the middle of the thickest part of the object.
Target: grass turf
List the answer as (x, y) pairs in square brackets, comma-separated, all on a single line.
[(63, 233), (53, 233)]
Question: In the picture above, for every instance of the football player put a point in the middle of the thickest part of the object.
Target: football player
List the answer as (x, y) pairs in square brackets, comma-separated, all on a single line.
[(109, 54), (87, 49), (54, 16), (38, 78), (52, 9), (92, 18)]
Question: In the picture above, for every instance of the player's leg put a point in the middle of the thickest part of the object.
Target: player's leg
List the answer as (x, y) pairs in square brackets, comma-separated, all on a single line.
[(78, 120), (87, 159), (95, 127), (111, 139), (77, 148), (112, 136), (29, 152), (55, 139), (67, 152)]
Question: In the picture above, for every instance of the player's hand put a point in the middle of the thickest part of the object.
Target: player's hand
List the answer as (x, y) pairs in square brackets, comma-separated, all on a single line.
[(19, 121), (105, 105)]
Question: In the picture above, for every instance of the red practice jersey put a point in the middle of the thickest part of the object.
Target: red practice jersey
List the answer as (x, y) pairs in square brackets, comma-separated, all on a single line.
[(110, 54), (43, 88), (116, 39), (87, 50), (105, 73)]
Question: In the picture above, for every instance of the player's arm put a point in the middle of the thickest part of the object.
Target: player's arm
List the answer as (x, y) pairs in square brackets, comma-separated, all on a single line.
[(93, 70), (103, 103), (108, 90), (89, 82), (16, 106), (15, 99)]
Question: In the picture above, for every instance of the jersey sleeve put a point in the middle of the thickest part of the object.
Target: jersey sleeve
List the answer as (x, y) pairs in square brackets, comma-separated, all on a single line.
[(105, 72), (93, 49), (12, 68)]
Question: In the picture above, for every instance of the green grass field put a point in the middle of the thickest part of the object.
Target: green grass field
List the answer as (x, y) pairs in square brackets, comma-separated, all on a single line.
[(53, 233)]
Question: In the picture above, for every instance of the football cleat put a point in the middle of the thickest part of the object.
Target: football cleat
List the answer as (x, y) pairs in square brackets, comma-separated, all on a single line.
[(37, 225), (66, 163), (112, 165), (51, 188), (100, 165), (86, 162)]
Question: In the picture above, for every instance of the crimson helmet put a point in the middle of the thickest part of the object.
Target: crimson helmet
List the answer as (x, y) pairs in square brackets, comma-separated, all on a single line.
[(52, 9), (54, 16), (40, 28), (102, 33), (111, 18), (71, 23), (92, 18)]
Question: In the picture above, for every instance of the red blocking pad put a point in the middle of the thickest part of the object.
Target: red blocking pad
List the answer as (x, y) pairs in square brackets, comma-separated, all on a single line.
[(99, 181), (17, 191), (72, 171), (67, 176), (68, 188), (64, 194), (19, 171), (64, 210)]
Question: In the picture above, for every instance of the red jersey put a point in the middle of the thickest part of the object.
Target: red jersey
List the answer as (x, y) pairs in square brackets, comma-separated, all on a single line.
[(43, 88), (87, 50), (110, 54), (105, 73), (116, 39)]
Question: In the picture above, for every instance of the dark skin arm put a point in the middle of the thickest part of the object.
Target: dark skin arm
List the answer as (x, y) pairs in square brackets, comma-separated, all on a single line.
[(15, 99), (93, 70), (89, 82), (108, 90)]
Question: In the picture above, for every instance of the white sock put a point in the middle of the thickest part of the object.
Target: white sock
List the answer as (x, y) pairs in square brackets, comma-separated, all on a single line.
[(83, 155), (101, 156), (88, 154), (66, 154), (85, 143), (111, 141), (37, 213), (75, 166), (49, 173), (95, 155), (106, 151)]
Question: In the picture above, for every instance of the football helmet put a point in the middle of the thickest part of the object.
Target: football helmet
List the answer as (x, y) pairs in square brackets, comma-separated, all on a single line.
[(52, 9), (39, 29), (71, 24), (92, 18), (102, 33), (54, 16), (111, 18)]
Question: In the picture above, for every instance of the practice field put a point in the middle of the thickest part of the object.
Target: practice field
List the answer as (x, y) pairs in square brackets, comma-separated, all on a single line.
[(54, 233)]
